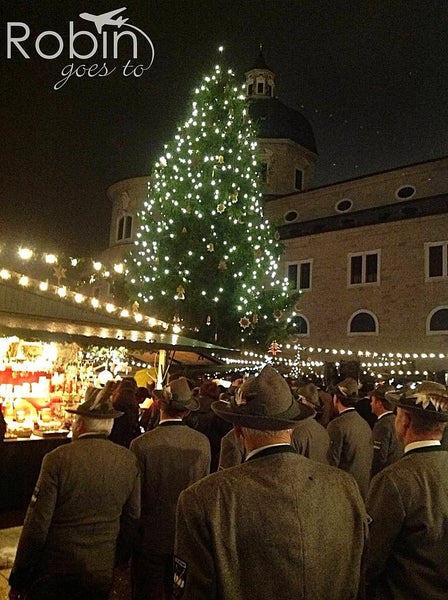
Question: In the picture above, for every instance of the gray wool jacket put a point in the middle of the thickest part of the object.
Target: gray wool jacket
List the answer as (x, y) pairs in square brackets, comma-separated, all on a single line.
[(73, 521), (310, 439), (351, 447), (408, 503), (386, 447), (277, 526), (171, 457)]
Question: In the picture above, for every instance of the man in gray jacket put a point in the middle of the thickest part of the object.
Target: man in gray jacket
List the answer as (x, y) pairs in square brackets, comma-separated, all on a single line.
[(408, 503), (386, 447), (86, 500), (309, 438), (277, 526), (351, 447), (171, 457)]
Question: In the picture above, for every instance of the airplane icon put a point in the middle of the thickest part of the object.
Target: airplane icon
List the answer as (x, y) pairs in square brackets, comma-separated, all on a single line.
[(105, 19)]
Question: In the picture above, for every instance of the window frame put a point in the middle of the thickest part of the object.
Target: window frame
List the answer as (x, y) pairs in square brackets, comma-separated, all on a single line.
[(302, 316), (123, 219), (298, 263), (302, 178), (363, 281), (428, 321), (442, 277), (371, 333)]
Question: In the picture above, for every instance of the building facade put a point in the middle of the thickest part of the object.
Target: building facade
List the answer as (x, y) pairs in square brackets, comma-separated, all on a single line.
[(369, 254)]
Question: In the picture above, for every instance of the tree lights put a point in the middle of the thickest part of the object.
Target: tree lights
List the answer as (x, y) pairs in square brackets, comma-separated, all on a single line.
[(204, 250)]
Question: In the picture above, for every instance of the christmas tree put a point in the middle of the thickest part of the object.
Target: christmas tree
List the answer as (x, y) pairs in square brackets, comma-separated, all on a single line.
[(204, 256)]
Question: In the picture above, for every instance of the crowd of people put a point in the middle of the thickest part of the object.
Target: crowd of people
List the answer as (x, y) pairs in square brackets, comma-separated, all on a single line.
[(268, 489)]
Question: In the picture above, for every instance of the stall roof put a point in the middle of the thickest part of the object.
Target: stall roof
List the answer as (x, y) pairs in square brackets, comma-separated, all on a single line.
[(29, 312)]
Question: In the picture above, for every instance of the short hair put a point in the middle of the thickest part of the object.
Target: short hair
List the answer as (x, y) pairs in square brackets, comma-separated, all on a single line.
[(425, 424), (171, 411), (92, 425), (387, 404), (251, 433), (345, 401)]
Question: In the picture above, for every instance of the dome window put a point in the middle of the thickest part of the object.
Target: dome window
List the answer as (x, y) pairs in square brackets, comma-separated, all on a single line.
[(344, 205), (291, 215), (405, 192)]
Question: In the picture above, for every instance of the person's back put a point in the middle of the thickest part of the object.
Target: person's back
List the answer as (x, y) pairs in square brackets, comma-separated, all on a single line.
[(311, 440), (409, 559), (171, 457), (351, 447), (296, 526), (95, 478), (386, 447)]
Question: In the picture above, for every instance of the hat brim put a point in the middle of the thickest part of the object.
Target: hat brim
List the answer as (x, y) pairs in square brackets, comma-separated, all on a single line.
[(408, 403), (89, 414), (298, 412), (334, 390)]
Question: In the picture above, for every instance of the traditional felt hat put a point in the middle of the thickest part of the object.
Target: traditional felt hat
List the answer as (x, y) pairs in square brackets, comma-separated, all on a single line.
[(380, 391), (178, 395), (309, 393), (97, 404), (264, 402), (347, 389), (429, 399)]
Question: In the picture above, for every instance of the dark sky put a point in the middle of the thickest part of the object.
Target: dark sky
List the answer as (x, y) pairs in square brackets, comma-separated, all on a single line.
[(371, 76)]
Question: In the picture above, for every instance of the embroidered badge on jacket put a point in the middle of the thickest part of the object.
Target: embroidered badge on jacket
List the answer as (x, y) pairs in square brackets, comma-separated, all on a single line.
[(180, 577)]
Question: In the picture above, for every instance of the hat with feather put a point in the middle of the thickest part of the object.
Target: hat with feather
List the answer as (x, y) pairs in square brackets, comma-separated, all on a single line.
[(97, 404), (429, 399)]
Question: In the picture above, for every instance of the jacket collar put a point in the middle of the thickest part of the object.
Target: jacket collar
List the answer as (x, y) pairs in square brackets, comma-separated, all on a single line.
[(272, 450)]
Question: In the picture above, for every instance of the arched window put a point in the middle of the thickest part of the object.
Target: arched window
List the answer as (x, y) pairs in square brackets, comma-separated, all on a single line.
[(301, 325), (363, 322), (437, 321), (124, 228)]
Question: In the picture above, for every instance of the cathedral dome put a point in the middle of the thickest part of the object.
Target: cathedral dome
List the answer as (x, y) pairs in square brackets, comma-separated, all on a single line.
[(276, 120)]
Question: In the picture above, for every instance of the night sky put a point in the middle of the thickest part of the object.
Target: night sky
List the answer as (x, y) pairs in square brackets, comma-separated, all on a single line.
[(371, 76)]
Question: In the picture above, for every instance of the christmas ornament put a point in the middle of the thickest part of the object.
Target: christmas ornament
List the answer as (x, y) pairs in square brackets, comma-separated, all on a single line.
[(258, 253), (244, 322), (180, 292), (221, 159), (274, 348), (297, 306), (59, 273), (211, 247), (278, 314), (222, 266), (221, 208), (234, 196), (184, 230), (208, 320), (277, 235), (135, 306), (254, 319)]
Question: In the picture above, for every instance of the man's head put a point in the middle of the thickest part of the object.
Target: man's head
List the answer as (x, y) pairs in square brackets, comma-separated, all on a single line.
[(378, 402), (176, 399), (422, 413), (309, 394), (345, 393), (264, 404), (96, 413)]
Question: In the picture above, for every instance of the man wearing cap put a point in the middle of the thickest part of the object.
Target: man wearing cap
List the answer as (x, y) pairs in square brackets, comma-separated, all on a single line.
[(408, 503), (386, 447), (256, 530), (83, 512), (171, 457), (309, 438), (351, 446)]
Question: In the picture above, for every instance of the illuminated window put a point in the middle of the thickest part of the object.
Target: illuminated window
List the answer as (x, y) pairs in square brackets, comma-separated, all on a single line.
[(364, 268)]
